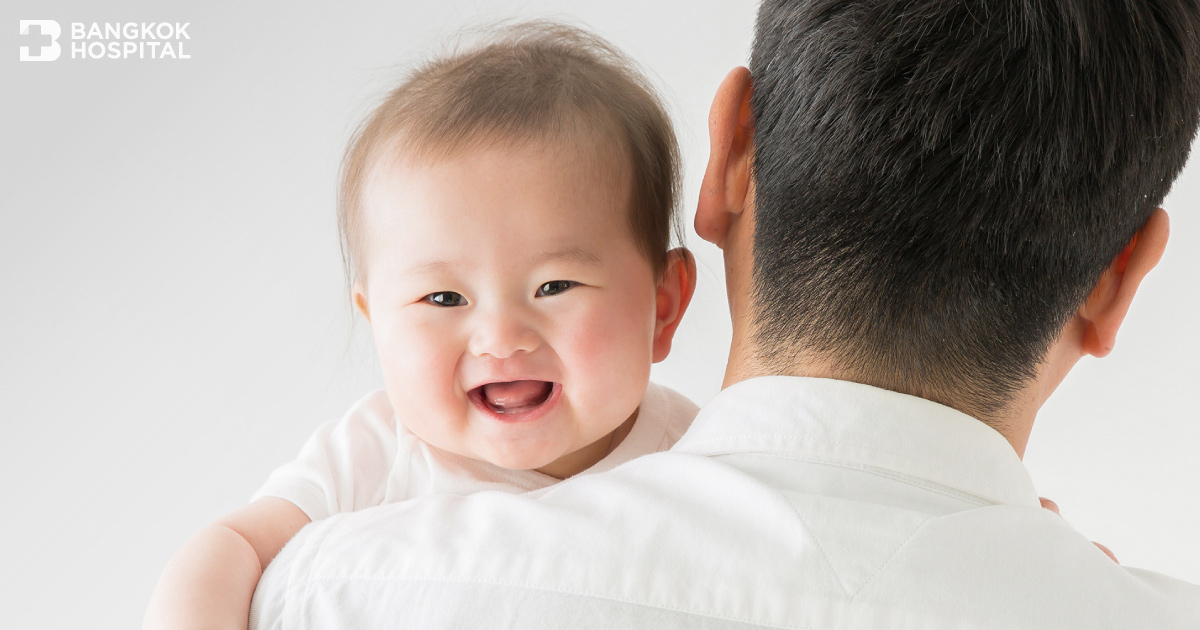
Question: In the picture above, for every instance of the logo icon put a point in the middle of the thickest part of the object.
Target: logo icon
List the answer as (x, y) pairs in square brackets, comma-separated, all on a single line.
[(39, 40)]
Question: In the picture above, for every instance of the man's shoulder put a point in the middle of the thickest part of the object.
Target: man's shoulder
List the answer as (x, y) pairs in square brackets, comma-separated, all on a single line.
[(1021, 566), (691, 534)]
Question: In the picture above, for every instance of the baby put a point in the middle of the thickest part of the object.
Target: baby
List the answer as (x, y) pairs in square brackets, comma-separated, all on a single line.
[(507, 216)]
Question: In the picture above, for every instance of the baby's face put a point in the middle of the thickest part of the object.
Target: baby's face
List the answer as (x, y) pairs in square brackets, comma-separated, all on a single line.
[(513, 312)]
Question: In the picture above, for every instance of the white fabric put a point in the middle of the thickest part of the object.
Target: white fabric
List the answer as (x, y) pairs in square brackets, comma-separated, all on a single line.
[(369, 458), (790, 503)]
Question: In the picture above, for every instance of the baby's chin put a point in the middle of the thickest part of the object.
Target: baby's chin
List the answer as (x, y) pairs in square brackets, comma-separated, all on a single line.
[(555, 462), (524, 460)]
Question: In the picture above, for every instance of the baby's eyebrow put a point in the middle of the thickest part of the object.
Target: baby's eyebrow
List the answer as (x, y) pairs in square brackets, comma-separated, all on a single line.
[(430, 267), (572, 254)]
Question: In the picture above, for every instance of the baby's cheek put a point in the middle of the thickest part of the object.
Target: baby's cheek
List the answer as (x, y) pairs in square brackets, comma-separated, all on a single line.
[(613, 345), (610, 332), (420, 366)]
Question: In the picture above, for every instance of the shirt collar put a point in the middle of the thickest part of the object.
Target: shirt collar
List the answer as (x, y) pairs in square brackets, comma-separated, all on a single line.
[(851, 424)]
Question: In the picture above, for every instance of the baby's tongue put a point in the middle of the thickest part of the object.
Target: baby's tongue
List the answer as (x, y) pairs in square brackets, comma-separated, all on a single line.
[(515, 395)]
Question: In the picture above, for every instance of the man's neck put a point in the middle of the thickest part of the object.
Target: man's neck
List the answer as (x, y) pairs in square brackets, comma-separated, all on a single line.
[(1015, 422)]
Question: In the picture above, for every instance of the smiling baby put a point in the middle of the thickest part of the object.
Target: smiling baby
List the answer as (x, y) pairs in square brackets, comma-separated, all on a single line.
[(507, 216)]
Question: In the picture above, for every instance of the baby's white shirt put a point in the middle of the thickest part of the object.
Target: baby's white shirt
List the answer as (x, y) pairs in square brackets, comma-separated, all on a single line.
[(368, 458)]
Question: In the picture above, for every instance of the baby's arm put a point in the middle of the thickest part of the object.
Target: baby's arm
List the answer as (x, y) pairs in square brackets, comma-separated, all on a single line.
[(209, 582)]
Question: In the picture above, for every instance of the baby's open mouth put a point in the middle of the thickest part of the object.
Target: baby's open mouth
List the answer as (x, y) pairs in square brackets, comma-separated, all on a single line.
[(513, 397)]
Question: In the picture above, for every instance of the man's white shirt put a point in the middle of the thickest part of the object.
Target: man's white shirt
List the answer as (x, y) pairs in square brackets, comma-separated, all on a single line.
[(790, 503)]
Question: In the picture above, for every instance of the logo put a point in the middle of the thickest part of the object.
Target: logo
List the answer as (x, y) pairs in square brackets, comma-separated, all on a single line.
[(105, 40), (40, 40)]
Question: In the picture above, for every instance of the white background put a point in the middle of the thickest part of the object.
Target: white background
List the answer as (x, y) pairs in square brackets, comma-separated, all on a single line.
[(174, 322)]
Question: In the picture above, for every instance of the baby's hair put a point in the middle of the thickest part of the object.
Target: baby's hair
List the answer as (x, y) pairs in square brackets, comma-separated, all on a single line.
[(529, 81)]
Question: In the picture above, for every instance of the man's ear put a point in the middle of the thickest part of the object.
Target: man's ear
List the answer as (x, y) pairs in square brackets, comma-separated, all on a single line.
[(674, 293), (359, 297), (1109, 301), (724, 189)]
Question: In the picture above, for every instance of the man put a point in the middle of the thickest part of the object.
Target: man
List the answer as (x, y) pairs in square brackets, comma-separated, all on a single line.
[(929, 211)]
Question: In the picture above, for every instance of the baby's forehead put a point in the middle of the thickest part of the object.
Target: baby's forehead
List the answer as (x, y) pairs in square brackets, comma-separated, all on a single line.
[(559, 186), (600, 145), (588, 162)]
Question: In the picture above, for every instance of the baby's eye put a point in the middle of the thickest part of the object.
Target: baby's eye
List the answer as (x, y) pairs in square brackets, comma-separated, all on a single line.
[(554, 287), (445, 298)]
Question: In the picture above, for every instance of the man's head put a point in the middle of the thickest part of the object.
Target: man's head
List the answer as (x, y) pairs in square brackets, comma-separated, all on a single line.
[(938, 185)]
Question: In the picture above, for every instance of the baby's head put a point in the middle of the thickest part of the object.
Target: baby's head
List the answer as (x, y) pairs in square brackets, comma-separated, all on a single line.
[(507, 216)]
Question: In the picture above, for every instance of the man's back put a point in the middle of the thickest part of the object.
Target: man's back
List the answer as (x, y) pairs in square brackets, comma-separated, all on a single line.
[(792, 502)]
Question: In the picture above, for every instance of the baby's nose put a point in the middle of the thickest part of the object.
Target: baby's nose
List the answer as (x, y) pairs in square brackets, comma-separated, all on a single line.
[(501, 334)]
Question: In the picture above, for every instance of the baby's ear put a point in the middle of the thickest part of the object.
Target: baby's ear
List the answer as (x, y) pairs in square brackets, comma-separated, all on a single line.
[(675, 288), (358, 295)]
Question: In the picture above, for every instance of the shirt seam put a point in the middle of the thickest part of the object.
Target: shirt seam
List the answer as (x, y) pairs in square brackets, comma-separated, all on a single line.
[(883, 567), (911, 480), (821, 548), (832, 461)]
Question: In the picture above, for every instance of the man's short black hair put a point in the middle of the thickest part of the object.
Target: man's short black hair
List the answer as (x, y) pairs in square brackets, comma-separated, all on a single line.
[(940, 183)]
